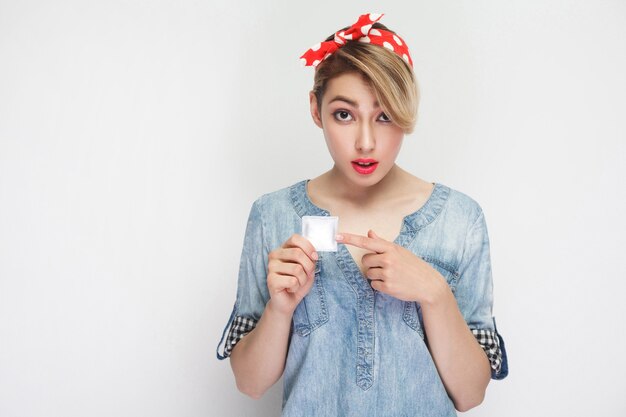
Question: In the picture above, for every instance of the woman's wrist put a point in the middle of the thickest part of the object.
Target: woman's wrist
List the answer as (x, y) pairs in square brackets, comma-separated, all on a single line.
[(439, 295), (277, 314)]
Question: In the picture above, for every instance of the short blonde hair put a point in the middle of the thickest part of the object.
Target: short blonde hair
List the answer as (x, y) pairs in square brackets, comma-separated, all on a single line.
[(390, 76)]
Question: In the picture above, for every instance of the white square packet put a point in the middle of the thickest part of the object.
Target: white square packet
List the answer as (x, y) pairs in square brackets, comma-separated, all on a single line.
[(321, 231)]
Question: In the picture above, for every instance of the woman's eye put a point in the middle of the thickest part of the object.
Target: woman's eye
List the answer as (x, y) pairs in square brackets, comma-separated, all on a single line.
[(342, 116), (384, 117)]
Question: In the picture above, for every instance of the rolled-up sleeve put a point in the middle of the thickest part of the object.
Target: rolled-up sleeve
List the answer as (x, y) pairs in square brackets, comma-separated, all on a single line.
[(474, 294), (252, 292)]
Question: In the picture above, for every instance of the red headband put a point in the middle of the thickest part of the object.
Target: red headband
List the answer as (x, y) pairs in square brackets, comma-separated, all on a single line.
[(363, 32)]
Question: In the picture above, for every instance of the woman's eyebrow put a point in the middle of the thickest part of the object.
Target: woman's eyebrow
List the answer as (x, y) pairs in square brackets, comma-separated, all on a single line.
[(350, 102)]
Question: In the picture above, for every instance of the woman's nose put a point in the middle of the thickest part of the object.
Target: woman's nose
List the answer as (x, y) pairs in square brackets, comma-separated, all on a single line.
[(365, 141)]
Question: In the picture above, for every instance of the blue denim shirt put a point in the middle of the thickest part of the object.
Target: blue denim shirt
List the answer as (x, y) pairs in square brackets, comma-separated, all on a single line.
[(354, 351)]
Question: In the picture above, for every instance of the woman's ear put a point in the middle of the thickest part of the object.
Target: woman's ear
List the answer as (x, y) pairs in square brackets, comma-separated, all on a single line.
[(314, 111)]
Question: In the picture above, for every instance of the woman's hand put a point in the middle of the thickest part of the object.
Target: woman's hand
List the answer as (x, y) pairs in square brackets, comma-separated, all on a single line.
[(291, 271), (395, 270)]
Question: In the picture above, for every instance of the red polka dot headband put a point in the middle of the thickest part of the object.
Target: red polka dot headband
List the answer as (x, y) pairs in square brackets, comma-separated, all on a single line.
[(363, 32)]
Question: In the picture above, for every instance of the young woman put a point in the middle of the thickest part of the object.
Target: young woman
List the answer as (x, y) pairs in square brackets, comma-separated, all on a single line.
[(398, 321)]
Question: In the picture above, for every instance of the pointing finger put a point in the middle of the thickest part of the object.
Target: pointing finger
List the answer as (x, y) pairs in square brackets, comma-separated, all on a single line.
[(376, 245)]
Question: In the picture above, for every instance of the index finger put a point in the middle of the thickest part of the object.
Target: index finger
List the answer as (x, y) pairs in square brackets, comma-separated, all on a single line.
[(299, 241), (375, 245)]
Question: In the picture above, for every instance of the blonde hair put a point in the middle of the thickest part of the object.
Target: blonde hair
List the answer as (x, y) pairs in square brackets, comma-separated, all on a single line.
[(390, 76)]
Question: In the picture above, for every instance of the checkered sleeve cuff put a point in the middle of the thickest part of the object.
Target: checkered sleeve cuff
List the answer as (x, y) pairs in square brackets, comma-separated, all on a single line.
[(490, 342), (240, 327)]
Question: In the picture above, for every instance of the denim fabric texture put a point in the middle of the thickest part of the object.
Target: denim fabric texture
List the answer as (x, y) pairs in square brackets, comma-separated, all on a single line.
[(355, 351)]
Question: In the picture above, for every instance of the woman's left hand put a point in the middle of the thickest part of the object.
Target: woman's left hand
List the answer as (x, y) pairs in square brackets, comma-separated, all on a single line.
[(395, 270)]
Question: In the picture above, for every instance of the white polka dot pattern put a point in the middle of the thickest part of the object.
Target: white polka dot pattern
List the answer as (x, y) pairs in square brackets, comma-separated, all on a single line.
[(361, 31)]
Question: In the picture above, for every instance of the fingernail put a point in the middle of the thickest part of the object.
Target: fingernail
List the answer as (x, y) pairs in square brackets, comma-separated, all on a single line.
[(338, 237), (315, 256)]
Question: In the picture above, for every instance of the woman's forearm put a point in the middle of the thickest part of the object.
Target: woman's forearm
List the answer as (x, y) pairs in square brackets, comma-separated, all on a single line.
[(258, 360), (460, 360)]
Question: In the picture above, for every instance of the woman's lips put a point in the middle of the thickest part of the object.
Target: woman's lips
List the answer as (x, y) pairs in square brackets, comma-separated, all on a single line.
[(364, 166)]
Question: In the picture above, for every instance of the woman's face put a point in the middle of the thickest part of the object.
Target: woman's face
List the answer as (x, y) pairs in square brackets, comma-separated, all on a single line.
[(361, 139)]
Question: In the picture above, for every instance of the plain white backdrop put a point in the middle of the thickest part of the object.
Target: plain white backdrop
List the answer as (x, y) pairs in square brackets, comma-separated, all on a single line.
[(135, 135)]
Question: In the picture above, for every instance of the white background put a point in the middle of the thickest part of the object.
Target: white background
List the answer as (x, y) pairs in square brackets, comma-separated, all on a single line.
[(135, 135)]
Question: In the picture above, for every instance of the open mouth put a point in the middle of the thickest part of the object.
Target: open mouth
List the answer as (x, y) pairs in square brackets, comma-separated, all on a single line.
[(364, 166)]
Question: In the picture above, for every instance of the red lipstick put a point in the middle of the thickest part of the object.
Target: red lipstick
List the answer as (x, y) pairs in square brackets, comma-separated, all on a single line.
[(364, 166)]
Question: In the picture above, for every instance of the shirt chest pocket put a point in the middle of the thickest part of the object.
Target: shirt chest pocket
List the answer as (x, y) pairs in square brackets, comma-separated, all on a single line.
[(412, 312), (312, 312)]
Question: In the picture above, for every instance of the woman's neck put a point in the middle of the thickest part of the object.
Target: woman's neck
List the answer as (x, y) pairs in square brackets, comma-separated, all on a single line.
[(337, 187)]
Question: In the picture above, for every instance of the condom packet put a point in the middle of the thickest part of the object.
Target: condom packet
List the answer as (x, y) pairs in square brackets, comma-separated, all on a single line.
[(321, 232)]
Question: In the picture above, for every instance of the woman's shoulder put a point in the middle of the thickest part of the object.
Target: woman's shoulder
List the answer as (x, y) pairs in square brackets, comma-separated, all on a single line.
[(443, 201), (280, 199), (459, 204)]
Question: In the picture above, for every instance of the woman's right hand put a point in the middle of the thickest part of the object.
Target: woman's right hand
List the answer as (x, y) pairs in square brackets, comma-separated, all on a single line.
[(291, 271)]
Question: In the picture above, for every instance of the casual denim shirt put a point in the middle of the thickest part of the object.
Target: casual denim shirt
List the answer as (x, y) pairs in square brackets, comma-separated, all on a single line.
[(355, 351)]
